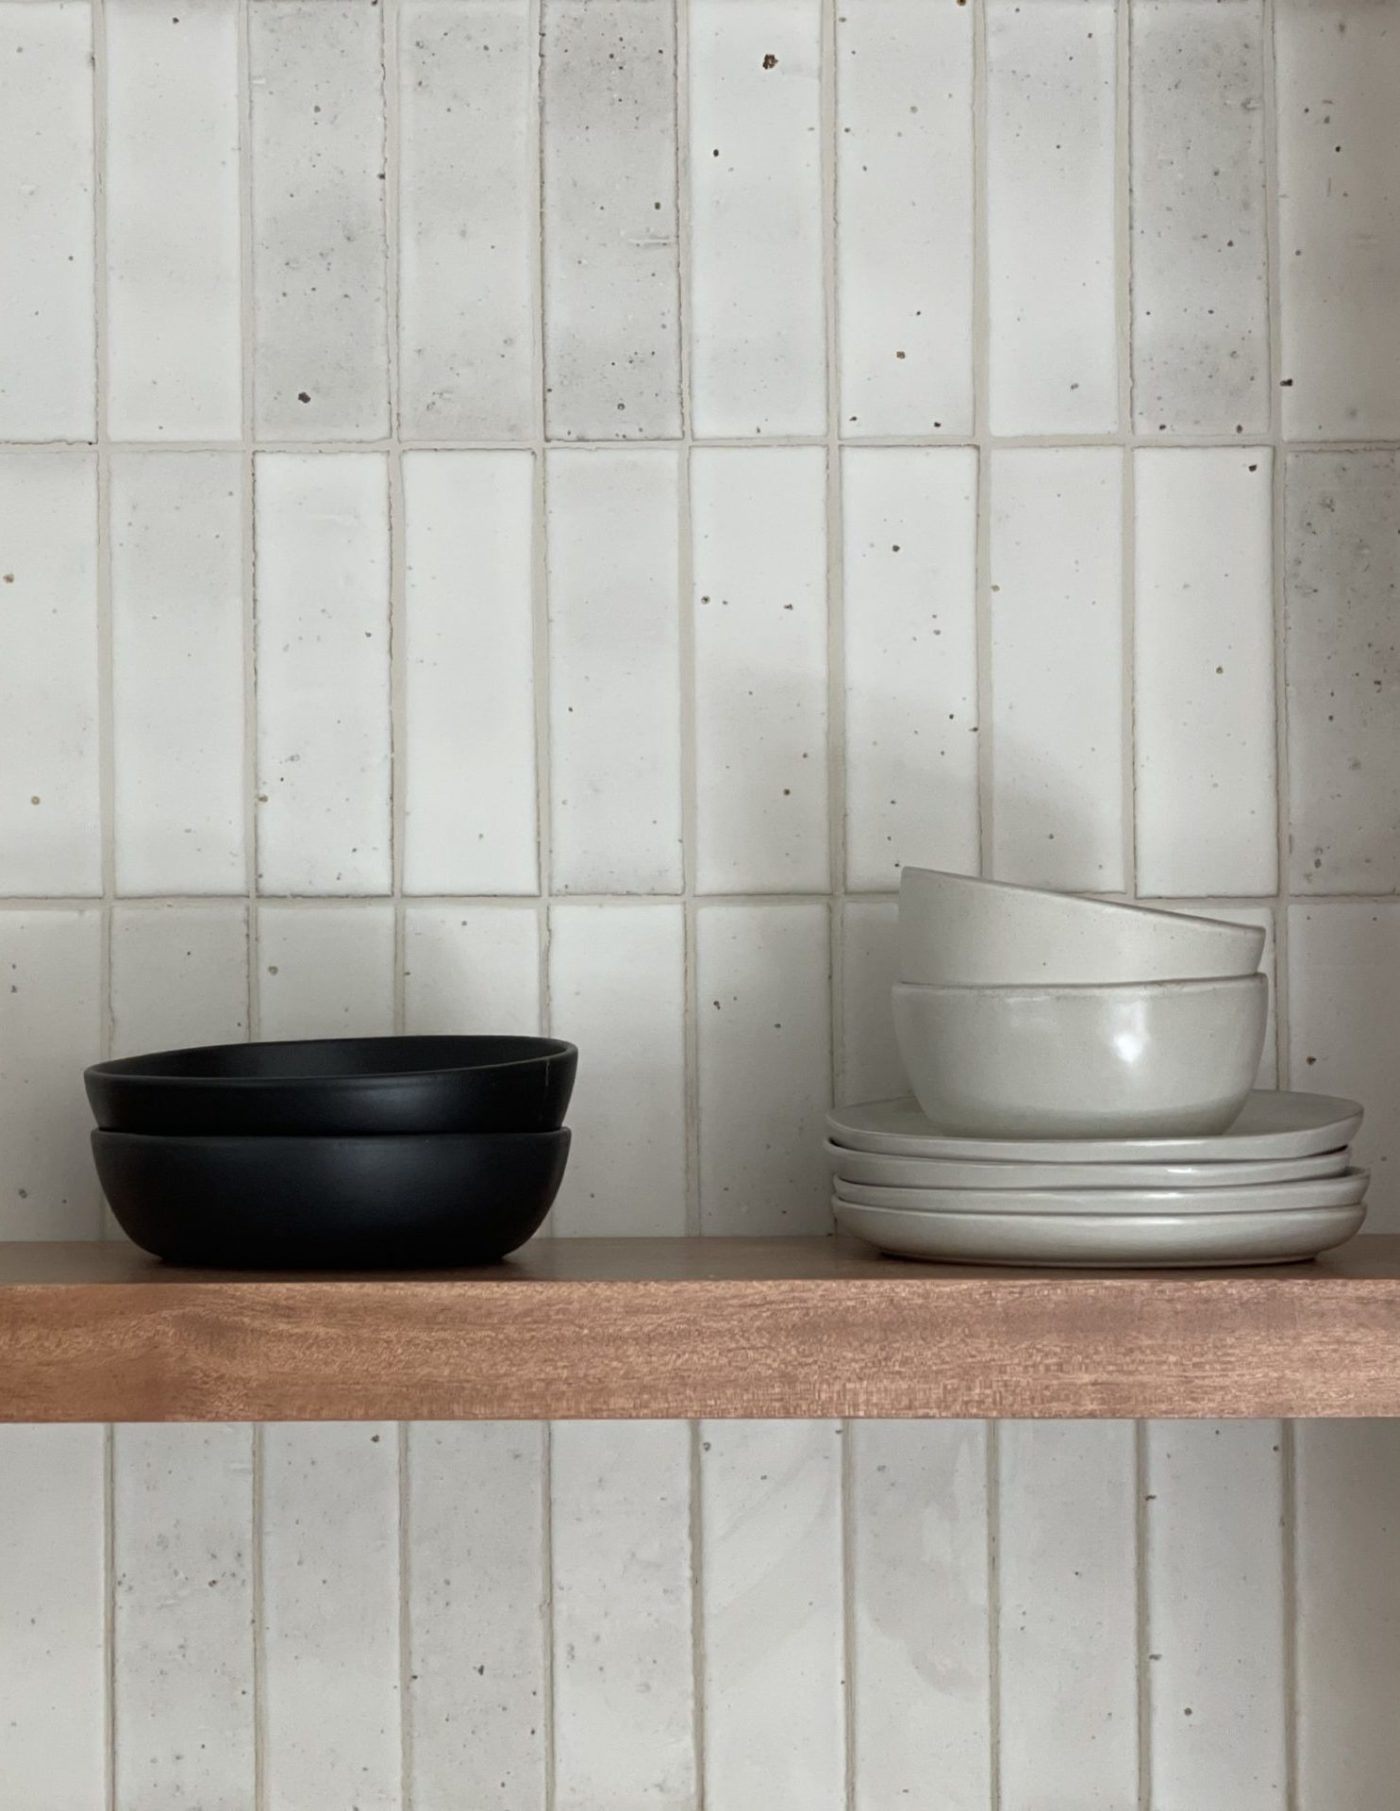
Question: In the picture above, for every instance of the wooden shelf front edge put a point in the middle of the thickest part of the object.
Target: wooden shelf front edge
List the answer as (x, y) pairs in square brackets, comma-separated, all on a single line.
[(680, 1328)]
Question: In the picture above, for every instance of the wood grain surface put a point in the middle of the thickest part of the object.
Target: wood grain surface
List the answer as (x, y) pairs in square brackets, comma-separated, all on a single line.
[(660, 1328)]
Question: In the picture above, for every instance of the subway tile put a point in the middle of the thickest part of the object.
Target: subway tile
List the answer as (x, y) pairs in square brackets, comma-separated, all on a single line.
[(1200, 251), (50, 1029), (870, 1066), (53, 1672), (760, 669), (174, 350), (330, 1575), (469, 738), (1057, 635), (763, 1004), (910, 546), (320, 364), (1342, 592), (617, 990), (1343, 1007), (614, 664), (758, 318), (1339, 218), (771, 1586), (323, 672), (49, 811), (1206, 781), (177, 682), (905, 230), (476, 1596), (1263, 917), (472, 968), (1052, 280), (467, 220), (610, 235), (182, 1534), (624, 1663), (1348, 1631), (1067, 1632), (326, 971), (920, 1656), (48, 368), (1215, 1683), (179, 975)]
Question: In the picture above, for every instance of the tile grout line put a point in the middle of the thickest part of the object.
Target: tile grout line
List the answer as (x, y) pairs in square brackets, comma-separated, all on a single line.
[(1141, 1540)]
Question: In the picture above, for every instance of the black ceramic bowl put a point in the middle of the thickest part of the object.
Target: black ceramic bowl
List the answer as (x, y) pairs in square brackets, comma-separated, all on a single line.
[(330, 1203), (339, 1086)]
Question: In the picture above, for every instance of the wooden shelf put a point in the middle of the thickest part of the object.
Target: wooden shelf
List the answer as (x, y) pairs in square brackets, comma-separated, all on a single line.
[(661, 1328)]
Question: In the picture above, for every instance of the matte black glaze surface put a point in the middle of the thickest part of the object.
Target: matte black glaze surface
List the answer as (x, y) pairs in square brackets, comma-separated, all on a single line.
[(339, 1086), (330, 1203)]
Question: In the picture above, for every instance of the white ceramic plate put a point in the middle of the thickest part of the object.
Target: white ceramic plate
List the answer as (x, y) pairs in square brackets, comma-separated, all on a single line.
[(952, 1172), (1271, 1125), (1280, 1197), (1118, 1242)]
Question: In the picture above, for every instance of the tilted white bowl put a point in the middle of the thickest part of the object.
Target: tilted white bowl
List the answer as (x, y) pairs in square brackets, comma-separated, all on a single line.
[(1147, 1059), (956, 931)]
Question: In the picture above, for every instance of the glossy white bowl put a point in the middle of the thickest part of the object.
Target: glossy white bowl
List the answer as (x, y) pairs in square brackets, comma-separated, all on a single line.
[(1147, 1059), (955, 931)]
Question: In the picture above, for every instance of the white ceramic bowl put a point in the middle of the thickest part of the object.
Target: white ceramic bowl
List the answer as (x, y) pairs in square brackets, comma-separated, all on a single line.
[(955, 931), (1155, 1059)]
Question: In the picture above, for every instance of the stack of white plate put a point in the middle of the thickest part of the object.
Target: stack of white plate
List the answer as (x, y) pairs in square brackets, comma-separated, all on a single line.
[(1082, 1073)]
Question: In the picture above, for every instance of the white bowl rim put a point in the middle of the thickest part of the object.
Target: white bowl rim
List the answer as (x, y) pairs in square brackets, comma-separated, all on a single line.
[(1197, 919), (1078, 989)]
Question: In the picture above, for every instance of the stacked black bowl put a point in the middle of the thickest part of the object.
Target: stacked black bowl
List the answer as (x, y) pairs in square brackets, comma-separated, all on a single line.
[(343, 1153)]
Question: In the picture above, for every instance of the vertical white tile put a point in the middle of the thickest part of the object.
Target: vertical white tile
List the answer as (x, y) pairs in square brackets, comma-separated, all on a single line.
[(1057, 668), (320, 343), (471, 968), (904, 237), (624, 1665), (771, 1583), (330, 1547), (1067, 1630), (1348, 1641), (870, 1066), (1215, 1614), (323, 672), (911, 661), (758, 318), (182, 1531), (611, 257), (50, 1029), (174, 352), (614, 664), (47, 301), (326, 971), (1339, 217), (49, 812), (177, 680), (1052, 284), (617, 990), (760, 669), (1343, 1006), (1203, 655), (53, 1674), (179, 976), (763, 1004), (476, 1614), (1263, 917), (469, 743), (1342, 589), (467, 220), (920, 1640), (1200, 253)]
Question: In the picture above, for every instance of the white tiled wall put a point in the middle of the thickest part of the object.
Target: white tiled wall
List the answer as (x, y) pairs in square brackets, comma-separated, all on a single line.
[(524, 513)]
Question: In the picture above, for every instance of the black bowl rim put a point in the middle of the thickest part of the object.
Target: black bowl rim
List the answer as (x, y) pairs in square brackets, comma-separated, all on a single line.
[(246, 1141), (139, 1069)]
